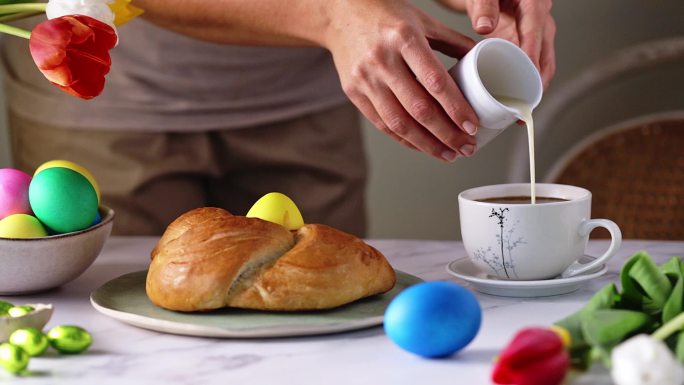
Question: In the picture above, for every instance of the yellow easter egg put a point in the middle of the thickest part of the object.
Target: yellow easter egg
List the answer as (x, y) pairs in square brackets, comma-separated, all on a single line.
[(277, 208), (21, 226), (73, 166)]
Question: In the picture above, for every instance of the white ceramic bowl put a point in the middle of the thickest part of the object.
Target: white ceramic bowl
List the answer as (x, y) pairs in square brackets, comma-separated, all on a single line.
[(38, 318), (36, 264)]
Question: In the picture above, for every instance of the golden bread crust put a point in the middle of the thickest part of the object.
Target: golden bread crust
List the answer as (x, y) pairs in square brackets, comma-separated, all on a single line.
[(195, 270), (209, 259)]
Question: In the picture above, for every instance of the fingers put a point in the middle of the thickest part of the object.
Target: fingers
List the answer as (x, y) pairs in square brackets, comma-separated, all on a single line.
[(424, 109), (384, 111), (396, 120), (548, 53), (368, 110), (530, 25), (398, 83), (531, 19), (484, 15), (440, 86)]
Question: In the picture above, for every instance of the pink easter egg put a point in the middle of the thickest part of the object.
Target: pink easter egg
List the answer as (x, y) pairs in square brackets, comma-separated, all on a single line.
[(14, 187)]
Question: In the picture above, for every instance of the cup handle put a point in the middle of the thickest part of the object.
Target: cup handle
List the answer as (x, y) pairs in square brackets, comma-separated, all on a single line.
[(584, 229)]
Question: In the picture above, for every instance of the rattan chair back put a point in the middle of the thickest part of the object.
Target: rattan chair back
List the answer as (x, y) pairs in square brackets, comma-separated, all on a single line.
[(636, 175)]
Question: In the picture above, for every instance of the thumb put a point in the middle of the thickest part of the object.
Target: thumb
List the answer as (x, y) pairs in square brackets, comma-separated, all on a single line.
[(484, 15)]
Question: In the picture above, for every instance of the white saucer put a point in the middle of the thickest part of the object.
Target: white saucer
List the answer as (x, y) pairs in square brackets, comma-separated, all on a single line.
[(464, 269)]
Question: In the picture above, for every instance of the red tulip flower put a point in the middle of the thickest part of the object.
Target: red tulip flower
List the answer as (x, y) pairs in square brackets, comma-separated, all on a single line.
[(73, 53), (535, 356)]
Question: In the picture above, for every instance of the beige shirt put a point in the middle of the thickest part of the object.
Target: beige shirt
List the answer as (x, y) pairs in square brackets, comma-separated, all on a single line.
[(163, 81)]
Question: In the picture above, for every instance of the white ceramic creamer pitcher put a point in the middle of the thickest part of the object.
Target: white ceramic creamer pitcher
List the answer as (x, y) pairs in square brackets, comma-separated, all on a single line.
[(496, 68)]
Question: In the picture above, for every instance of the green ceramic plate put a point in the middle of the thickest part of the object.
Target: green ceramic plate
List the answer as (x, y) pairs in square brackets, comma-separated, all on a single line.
[(124, 299)]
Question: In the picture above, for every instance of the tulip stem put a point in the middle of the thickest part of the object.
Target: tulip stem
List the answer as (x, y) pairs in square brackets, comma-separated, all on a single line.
[(15, 31), (22, 7), (673, 325), (18, 16)]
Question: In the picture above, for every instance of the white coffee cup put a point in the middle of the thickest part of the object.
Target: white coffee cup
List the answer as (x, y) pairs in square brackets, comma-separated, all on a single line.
[(523, 241), (497, 67)]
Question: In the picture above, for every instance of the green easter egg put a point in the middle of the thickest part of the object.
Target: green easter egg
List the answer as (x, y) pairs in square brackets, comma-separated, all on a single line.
[(63, 199), (20, 311), (73, 166), (4, 308), (69, 339), (33, 341), (21, 226), (13, 358)]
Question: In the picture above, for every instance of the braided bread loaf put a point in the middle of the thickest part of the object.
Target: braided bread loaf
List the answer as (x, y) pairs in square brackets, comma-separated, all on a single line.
[(209, 259)]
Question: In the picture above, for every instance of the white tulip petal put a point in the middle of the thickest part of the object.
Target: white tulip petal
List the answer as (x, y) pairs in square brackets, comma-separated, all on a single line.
[(97, 9), (643, 360)]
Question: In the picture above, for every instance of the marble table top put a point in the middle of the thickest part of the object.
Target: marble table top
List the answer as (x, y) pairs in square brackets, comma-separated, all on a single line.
[(126, 354)]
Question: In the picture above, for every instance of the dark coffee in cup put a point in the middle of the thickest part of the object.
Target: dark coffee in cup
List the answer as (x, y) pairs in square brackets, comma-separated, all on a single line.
[(521, 200)]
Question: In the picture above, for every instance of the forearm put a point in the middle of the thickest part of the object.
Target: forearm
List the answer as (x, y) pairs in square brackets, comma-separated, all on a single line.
[(254, 22), (382, 50)]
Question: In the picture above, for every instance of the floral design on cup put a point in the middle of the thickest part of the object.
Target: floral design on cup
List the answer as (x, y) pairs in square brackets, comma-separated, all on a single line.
[(500, 258)]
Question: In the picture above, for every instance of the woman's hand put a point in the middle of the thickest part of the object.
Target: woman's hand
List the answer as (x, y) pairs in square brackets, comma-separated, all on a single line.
[(527, 23), (383, 51)]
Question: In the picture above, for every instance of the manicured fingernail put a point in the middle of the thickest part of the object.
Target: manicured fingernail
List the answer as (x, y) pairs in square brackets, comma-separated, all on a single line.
[(467, 149), (469, 127), (449, 156), (484, 22)]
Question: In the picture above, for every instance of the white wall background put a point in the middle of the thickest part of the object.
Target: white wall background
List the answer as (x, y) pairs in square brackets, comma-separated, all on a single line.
[(413, 196)]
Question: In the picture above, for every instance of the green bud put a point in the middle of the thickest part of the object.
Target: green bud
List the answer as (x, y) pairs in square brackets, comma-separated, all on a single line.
[(19, 311), (32, 340), (69, 339), (13, 358), (4, 307)]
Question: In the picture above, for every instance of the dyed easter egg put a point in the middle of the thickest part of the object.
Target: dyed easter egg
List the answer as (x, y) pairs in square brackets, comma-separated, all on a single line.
[(69, 339), (14, 185), (21, 226), (433, 319), (13, 358), (72, 166), (63, 199), (98, 219), (20, 310), (4, 308), (277, 208), (33, 341)]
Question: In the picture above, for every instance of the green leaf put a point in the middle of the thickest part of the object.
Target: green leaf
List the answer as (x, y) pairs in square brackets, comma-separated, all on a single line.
[(652, 297), (605, 298), (606, 328), (675, 302), (644, 286), (673, 269)]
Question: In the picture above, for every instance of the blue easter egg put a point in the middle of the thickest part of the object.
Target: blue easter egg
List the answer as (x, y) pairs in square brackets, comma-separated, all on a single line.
[(98, 219), (433, 319)]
